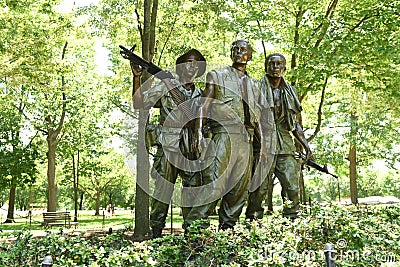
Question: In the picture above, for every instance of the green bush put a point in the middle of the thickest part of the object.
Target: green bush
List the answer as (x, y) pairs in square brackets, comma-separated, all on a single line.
[(361, 236)]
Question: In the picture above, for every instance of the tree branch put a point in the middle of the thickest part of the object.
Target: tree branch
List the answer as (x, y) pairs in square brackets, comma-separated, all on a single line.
[(86, 191), (302, 96), (363, 20), (321, 103), (357, 25), (260, 28), (146, 30), (329, 12), (125, 108), (139, 25), (61, 122), (33, 138), (289, 11), (296, 38), (168, 37)]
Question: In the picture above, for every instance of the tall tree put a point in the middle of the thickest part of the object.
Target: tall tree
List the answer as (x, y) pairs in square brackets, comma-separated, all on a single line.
[(148, 37), (17, 157), (101, 172), (52, 129), (33, 58)]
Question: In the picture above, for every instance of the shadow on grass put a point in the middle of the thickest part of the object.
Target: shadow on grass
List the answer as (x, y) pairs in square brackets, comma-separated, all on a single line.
[(86, 220)]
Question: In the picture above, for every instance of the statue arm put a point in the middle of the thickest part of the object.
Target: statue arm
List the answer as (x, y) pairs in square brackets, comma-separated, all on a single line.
[(146, 100), (299, 135), (137, 95), (208, 95)]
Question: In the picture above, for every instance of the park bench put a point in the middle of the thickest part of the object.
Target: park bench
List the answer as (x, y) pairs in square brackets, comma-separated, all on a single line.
[(57, 218)]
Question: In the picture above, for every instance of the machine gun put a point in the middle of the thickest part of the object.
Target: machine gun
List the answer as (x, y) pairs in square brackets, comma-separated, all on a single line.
[(147, 66), (316, 166), (160, 74), (320, 168)]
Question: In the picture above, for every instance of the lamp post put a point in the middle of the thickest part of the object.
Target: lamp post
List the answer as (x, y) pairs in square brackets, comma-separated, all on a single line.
[(47, 261), (329, 256)]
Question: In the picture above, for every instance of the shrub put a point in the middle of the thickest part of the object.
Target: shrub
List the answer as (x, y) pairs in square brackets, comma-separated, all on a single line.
[(361, 236)]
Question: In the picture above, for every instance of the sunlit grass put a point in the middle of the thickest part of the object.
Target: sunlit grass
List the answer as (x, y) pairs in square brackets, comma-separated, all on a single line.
[(86, 221)]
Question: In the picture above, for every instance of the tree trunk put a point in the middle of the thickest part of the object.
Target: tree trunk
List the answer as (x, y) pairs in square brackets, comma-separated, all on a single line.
[(353, 160), (142, 225), (110, 199), (75, 175), (31, 195), (97, 204), (303, 197), (51, 172), (11, 205), (142, 176), (81, 202), (353, 174)]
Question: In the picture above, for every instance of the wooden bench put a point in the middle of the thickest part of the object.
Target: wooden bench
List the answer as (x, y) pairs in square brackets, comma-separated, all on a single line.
[(57, 218)]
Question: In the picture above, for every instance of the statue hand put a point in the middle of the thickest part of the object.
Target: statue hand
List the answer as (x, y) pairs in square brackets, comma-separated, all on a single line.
[(309, 155), (137, 70), (198, 140)]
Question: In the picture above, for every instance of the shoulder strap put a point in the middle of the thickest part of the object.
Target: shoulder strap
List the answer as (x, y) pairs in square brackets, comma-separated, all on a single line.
[(180, 101)]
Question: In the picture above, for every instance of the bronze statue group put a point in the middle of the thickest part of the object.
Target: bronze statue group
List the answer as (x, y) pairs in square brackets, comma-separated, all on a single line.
[(251, 127)]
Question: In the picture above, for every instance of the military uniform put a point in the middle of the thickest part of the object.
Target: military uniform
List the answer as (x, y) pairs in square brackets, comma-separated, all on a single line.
[(234, 111), (174, 153), (286, 108)]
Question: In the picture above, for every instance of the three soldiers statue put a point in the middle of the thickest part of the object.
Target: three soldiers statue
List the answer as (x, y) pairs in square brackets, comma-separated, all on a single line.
[(253, 126)]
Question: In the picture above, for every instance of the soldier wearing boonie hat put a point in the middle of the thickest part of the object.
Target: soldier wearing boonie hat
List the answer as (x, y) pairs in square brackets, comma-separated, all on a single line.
[(174, 138)]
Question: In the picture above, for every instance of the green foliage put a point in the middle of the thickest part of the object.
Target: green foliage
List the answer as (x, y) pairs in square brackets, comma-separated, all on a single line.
[(31, 37), (18, 153), (362, 236), (101, 172)]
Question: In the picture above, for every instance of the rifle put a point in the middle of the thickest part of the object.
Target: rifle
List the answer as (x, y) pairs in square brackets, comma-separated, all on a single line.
[(318, 167), (161, 74), (150, 67)]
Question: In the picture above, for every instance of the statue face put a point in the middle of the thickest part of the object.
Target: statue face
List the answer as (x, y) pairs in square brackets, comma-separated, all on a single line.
[(241, 52), (275, 66), (190, 67)]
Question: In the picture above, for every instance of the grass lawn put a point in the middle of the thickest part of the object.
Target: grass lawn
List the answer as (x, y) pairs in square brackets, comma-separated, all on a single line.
[(86, 221)]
